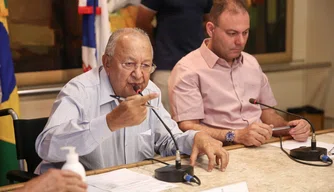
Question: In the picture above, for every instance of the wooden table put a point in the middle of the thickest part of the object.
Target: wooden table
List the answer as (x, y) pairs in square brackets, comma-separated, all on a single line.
[(264, 168)]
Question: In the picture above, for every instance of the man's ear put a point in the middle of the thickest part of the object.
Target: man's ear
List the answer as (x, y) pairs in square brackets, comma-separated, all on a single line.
[(105, 62), (210, 27)]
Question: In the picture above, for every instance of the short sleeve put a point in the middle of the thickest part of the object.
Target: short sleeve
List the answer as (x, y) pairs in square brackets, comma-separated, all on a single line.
[(184, 93), (266, 95)]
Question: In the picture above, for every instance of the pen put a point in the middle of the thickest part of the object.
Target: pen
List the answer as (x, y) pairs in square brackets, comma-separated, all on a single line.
[(282, 128), (118, 97), (123, 99)]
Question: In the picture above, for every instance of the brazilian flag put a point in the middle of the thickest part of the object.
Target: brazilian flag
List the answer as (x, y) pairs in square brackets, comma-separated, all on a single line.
[(9, 99)]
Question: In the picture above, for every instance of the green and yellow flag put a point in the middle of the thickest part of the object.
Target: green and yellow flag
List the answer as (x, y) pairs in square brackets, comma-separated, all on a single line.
[(8, 97)]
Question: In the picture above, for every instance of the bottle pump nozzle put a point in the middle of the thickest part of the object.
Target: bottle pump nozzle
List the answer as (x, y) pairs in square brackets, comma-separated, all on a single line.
[(72, 156)]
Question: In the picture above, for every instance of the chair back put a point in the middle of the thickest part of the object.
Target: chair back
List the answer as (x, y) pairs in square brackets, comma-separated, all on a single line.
[(26, 133)]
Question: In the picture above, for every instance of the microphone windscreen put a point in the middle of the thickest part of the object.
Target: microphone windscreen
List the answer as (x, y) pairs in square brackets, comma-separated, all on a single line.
[(252, 101), (136, 88)]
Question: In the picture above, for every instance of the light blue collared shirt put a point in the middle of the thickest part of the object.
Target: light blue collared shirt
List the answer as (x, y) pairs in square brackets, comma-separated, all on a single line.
[(78, 119)]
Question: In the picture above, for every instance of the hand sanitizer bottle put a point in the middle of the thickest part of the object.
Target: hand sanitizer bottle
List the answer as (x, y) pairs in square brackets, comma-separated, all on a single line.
[(72, 162)]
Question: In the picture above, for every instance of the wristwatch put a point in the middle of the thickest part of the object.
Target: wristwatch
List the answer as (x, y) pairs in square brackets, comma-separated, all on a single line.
[(229, 137)]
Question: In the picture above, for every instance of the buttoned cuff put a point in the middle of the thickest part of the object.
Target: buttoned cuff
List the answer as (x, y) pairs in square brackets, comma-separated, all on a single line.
[(99, 129)]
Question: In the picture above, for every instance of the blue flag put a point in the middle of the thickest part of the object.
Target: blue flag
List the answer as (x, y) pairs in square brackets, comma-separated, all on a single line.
[(95, 31), (7, 77), (9, 99)]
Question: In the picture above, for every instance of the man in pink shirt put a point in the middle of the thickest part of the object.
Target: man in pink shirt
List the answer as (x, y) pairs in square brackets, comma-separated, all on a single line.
[(210, 88)]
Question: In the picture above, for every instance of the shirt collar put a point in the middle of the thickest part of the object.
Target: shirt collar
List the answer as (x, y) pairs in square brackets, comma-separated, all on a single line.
[(239, 60), (212, 59), (209, 57), (105, 87)]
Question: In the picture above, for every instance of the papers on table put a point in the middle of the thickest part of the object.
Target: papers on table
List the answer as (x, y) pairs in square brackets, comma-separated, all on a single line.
[(240, 187), (124, 180), (292, 144)]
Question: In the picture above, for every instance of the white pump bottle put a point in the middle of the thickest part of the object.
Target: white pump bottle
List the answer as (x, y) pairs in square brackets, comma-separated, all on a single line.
[(72, 162)]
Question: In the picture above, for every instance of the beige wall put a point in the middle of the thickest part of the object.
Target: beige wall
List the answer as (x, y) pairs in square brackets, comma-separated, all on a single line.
[(313, 27), (319, 47)]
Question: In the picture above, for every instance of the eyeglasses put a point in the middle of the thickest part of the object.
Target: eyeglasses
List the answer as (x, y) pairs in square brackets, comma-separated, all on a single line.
[(131, 66), (146, 68)]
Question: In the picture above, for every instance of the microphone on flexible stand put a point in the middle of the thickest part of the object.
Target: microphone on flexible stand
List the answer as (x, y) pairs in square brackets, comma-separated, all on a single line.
[(312, 153), (170, 173)]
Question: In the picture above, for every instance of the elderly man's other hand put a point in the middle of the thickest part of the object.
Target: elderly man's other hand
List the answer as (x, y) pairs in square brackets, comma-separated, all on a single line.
[(203, 143), (130, 112), (55, 180), (301, 130)]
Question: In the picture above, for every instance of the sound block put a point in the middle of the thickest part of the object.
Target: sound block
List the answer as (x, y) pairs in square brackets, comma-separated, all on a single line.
[(307, 154), (169, 173)]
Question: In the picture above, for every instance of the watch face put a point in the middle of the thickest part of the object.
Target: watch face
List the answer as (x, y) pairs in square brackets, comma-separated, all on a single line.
[(230, 136)]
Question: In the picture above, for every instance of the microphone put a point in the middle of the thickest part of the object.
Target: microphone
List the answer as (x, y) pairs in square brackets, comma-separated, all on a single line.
[(170, 173), (312, 153)]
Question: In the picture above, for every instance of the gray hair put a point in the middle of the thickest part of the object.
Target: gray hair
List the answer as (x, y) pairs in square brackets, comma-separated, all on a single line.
[(111, 45)]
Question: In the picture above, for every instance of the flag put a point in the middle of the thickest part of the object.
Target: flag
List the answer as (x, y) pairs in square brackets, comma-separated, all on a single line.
[(9, 99), (95, 31)]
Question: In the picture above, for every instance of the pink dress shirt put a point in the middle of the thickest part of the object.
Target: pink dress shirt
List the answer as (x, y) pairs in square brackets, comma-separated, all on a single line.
[(203, 86)]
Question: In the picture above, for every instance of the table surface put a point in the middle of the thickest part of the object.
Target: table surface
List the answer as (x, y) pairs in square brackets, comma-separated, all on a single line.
[(264, 168)]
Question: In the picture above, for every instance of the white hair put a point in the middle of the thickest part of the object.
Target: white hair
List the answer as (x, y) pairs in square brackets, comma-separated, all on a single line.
[(111, 45)]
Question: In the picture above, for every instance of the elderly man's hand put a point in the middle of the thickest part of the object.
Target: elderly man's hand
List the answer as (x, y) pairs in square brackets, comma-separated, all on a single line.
[(301, 130), (55, 180), (130, 112), (203, 143)]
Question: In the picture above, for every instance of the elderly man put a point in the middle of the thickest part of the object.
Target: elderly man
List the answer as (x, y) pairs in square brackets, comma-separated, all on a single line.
[(109, 131), (210, 87)]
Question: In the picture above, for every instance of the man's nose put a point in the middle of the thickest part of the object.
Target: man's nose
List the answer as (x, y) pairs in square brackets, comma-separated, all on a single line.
[(240, 39), (137, 72)]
